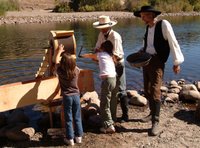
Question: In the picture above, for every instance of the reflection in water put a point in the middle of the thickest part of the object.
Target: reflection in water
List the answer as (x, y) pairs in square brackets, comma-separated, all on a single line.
[(22, 47)]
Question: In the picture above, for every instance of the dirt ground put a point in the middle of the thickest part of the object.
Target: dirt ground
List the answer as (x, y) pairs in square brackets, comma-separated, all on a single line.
[(178, 130)]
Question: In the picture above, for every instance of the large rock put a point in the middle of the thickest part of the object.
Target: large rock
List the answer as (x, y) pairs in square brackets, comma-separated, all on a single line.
[(90, 105), (174, 90), (136, 99), (189, 87), (190, 95), (197, 84), (90, 97), (20, 132), (172, 97), (164, 89)]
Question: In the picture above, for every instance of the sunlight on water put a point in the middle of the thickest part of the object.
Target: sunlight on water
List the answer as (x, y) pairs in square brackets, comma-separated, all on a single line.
[(22, 48)]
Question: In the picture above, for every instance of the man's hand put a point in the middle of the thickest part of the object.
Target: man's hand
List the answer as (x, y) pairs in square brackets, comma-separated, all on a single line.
[(176, 69)]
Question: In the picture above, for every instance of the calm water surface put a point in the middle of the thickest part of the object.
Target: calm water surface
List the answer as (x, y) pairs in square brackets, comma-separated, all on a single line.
[(22, 47)]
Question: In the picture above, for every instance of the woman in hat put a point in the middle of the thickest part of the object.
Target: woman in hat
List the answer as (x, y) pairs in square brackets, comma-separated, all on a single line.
[(159, 41), (107, 33)]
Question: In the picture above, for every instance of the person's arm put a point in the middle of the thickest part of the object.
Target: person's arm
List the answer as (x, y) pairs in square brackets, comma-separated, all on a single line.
[(175, 50), (59, 51), (98, 43)]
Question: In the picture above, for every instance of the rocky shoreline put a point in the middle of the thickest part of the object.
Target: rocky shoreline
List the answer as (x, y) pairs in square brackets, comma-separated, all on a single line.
[(47, 16)]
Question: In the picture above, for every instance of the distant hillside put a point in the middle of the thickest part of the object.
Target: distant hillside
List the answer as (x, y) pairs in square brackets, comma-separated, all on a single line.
[(36, 4)]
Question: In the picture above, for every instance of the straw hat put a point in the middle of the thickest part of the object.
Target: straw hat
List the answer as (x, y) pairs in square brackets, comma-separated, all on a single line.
[(104, 22), (146, 9), (139, 59)]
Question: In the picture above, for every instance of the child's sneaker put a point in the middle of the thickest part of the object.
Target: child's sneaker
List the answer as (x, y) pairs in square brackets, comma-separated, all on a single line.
[(69, 141), (78, 139), (110, 129)]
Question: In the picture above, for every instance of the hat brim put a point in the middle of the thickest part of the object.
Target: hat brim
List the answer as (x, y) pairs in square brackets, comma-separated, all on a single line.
[(100, 26), (139, 59), (137, 13)]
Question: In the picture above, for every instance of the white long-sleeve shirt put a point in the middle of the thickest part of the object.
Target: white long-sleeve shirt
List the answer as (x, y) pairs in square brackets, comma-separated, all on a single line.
[(116, 40), (169, 35)]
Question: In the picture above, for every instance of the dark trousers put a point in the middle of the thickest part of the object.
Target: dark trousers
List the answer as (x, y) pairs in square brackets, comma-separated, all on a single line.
[(121, 84), (153, 76)]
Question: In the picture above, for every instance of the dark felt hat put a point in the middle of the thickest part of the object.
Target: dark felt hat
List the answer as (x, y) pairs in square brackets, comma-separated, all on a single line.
[(138, 59), (146, 9)]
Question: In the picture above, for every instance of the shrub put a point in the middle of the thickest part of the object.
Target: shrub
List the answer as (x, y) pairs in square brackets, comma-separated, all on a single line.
[(8, 5), (132, 5), (87, 8), (197, 7), (62, 7)]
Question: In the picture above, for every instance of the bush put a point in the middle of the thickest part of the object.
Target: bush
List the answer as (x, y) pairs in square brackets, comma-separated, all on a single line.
[(187, 7), (100, 5), (87, 8), (197, 7), (8, 5), (132, 5), (62, 7)]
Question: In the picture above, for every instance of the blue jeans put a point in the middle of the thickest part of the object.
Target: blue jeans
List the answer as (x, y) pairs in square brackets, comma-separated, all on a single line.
[(72, 111)]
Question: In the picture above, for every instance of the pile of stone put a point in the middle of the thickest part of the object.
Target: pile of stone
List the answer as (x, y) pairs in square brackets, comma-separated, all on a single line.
[(173, 92), (179, 90)]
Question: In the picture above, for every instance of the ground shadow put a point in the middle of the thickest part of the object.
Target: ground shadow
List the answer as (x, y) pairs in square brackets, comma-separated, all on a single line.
[(187, 116), (121, 129), (44, 142)]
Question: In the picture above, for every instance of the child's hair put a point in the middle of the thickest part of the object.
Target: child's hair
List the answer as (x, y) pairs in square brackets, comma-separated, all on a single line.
[(107, 46), (68, 65)]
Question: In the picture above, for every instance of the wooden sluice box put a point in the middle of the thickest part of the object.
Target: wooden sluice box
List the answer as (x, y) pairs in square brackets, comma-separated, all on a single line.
[(45, 86)]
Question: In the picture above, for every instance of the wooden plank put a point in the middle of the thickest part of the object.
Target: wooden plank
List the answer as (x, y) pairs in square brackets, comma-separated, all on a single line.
[(86, 81), (21, 94)]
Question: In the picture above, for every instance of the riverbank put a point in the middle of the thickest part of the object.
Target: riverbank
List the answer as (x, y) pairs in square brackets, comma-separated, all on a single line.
[(47, 16)]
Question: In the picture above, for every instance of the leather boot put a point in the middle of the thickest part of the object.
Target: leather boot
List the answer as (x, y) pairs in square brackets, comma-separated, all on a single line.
[(155, 130), (149, 117)]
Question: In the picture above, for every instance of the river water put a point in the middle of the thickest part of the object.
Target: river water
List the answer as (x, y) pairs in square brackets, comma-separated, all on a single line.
[(22, 48)]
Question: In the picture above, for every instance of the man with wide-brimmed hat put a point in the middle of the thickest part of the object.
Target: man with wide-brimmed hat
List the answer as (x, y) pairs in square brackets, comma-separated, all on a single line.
[(159, 41), (105, 24)]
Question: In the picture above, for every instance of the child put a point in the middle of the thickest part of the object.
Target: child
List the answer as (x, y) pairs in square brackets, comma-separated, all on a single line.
[(108, 103), (68, 76)]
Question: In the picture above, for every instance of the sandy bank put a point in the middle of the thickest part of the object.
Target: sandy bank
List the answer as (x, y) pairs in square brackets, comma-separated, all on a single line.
[(46, 16)]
